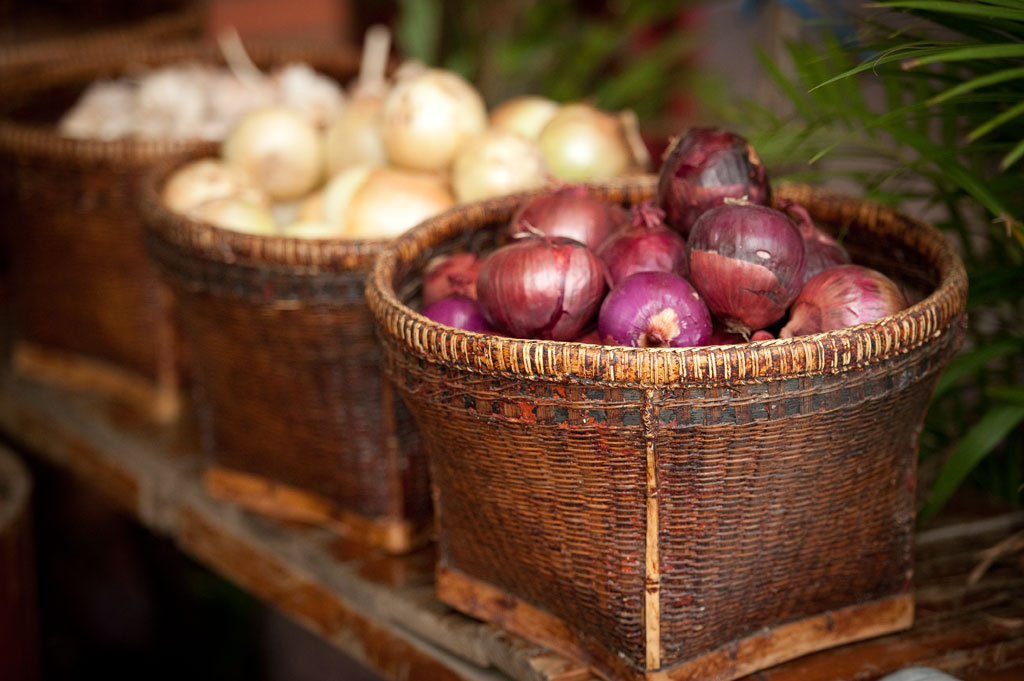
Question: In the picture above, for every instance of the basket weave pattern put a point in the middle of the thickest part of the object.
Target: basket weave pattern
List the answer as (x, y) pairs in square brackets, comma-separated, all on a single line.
[(662, 509), (286, 368), (82, 282)]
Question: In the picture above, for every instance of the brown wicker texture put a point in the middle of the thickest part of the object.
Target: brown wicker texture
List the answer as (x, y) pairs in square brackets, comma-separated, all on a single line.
[(19, 54), (82, 284), (691, 513), (287, 375), (19, 616)]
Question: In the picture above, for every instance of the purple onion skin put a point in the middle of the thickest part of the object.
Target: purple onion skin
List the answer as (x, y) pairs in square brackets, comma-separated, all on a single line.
[(747, 262), (450, 274), (822, 251), (541, 287), (842, 296), (645, 245), (654, 310), (703, 168), (459, 312), (572, 212)]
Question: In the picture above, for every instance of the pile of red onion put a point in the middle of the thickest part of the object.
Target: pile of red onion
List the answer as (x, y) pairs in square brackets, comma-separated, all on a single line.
[(709, 262)]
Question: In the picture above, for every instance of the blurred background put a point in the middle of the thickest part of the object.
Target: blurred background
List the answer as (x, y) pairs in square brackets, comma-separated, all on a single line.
[(905, 103)]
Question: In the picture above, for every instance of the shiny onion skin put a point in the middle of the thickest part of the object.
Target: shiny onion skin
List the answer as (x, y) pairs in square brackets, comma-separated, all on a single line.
[(570, 211), (541, 287), (654, 310), (459, 312), (702, 168), (450, 274), (747, 262), (842, 296), (822, 251), (645, 245)]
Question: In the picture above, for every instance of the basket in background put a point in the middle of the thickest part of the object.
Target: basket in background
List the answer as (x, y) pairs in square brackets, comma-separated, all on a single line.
[(30, 49), (677, 513), (296, 419), (88, 306)]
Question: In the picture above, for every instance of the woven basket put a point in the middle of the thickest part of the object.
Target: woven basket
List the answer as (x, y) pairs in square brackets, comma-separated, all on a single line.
[(296, 418), (89, 307), (690, 513), (30, 55)]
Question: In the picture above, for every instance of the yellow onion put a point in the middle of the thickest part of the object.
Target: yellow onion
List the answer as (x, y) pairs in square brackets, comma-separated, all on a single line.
[(237, 215), (279, 148), (380, 202), (583, 143), (427, 116), (206, 179), (497, 162), (525, 115)]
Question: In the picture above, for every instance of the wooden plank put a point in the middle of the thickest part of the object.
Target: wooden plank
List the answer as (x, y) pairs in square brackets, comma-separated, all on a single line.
[(382, 609)]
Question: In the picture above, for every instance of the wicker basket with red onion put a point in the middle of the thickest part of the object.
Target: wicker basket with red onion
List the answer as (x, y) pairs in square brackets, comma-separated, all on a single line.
[(710, 260)]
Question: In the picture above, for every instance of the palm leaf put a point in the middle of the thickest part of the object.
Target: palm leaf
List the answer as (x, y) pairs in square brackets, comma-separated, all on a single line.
[(976, 444), (1009, 11)]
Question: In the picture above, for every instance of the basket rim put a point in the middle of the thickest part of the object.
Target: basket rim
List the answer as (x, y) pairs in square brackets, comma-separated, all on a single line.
[(164, 25), (205, 241), (29, 139), (759, 361)]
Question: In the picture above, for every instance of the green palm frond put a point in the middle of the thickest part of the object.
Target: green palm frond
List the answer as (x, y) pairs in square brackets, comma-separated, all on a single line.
[(926, 108)]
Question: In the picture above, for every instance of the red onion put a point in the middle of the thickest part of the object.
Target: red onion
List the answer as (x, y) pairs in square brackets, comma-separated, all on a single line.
[(842, 296), (571, 211), (719, 336), (762, 334), (822, 251), (458, 311), (646, 245), (654, 310), (448, 274), (591, 337), (747, 261), (702, 168), (541, 287)]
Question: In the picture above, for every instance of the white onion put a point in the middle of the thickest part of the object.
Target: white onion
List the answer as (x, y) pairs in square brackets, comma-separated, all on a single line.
[(311, 229), (237, 215), (354, 136), (206, 179), (497, 162), (279, 148), (526, 115), (583, 143), (332, 204), (427, 116), (311, 208), (378, 202)]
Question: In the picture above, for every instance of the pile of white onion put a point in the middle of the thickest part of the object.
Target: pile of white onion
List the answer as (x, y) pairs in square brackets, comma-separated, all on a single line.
[(395, 152)]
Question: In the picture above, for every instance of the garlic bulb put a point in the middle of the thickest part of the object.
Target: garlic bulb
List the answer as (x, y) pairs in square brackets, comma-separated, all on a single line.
[(319, 97)]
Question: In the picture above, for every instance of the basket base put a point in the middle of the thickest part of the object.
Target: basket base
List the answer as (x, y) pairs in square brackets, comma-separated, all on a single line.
[(766, 648), (161, 400), (285, 502)]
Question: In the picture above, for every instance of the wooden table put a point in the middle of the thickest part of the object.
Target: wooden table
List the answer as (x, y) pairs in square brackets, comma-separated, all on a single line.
[(382, 611)]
